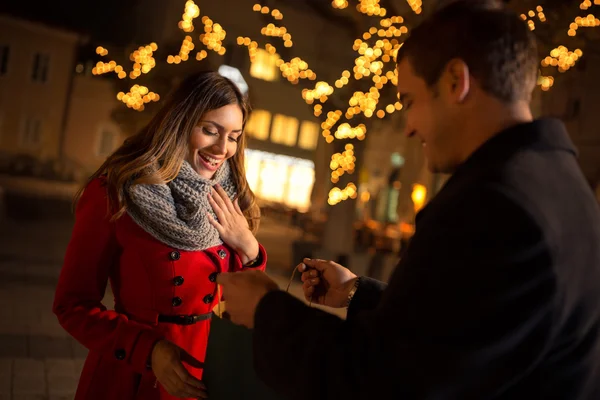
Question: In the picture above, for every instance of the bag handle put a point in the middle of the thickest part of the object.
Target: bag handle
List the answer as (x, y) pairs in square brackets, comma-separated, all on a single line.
[(290, 284)]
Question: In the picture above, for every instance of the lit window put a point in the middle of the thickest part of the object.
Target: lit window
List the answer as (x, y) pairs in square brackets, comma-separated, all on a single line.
[(284, 130), (273, 178), (264, 66), (300, 184), (258, 124), (279, 178), (309, 134), (253, 163)]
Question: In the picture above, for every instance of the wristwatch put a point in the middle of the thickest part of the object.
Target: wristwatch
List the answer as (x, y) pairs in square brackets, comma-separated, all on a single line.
[(352, 292)]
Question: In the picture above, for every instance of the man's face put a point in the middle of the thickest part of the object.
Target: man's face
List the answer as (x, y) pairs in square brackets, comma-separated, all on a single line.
[(431, 116)]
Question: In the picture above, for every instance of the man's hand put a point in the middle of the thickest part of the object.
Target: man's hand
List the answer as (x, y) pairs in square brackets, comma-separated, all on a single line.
[(167, 365), (243, 291), (326, 282)]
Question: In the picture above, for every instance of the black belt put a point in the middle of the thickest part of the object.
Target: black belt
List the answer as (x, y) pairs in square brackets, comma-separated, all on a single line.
[(184, 319)]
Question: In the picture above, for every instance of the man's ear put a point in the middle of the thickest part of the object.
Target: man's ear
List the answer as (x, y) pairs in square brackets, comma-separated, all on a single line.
[(455, 80)]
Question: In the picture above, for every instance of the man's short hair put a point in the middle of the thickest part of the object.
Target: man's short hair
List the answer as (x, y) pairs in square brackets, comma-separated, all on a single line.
[(498, 47)]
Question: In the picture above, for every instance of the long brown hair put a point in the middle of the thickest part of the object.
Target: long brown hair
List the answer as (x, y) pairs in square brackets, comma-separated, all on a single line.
[(155, 154)]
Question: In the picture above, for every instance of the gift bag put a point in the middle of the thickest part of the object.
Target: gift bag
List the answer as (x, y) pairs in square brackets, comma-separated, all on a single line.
[(228, 366)]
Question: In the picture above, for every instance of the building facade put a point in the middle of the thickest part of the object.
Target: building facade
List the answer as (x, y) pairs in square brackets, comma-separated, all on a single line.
[(55, 117), (36, 73), (91, 133)]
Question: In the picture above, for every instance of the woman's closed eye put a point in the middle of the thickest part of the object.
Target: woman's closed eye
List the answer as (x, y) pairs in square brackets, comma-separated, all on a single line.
[(209, 132)]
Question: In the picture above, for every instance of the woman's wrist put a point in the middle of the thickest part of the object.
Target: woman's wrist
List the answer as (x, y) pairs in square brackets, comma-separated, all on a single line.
[(249, 251)]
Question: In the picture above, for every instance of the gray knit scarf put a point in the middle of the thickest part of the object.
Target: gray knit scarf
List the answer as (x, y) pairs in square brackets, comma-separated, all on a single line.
[(175, 213)]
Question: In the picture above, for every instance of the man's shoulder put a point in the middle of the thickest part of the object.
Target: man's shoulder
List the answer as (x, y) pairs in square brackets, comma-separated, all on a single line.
[(551, 188), (535, 184), (485, 220), (482, 202)]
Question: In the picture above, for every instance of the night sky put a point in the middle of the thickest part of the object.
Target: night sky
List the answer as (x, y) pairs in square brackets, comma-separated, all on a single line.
[(104, 21)]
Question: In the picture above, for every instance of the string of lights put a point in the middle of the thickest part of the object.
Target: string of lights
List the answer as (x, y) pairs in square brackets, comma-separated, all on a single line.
[(587, 4), (561, 57), (212, 38), (531, 14), (416, 5), (588, 21), (190, 12), (371, 8), (339, 4), (137, 96), (376, 50), (142, 58), (296, 68), (337, 195), (342, 163)]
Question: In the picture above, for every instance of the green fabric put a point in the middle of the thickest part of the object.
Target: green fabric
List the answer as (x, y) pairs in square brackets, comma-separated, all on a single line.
[(228, 366)]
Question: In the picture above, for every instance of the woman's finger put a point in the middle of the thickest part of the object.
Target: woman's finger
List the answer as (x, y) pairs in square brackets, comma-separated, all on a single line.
[(187, 383), (225, 197), (215, 223), (186, 391), (236, 205), (222, 217), (213, 202), (218, 200), (175, 386), (186, 377), (170, 383)]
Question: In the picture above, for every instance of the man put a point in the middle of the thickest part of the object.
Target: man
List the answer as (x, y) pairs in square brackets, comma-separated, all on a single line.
[(498, 293)]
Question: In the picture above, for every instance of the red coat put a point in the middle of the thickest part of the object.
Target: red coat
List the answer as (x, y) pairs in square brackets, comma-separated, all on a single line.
[(148, 278)]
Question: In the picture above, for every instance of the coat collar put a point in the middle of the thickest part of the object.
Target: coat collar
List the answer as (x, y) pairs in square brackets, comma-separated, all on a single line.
[(546, 134), (540, 135)]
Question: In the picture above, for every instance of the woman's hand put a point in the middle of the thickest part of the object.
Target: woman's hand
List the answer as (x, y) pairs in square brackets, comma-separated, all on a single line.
[(167, 365), (232, 225)]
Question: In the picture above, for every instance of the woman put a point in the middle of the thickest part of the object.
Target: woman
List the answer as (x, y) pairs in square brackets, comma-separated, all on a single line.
[(168, 211)]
